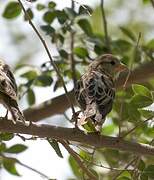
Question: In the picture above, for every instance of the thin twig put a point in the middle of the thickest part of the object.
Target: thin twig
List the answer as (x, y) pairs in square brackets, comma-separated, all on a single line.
[(78, 160), (138, 125), (107, 41), (126, 80), (48, 53), (125, 168), (105, 167), (71, 48), (131, 65), (34, 170), (26, 166), (135, 173)]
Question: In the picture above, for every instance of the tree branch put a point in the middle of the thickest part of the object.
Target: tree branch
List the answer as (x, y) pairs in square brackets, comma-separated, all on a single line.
[(72, 134), (59, 105)]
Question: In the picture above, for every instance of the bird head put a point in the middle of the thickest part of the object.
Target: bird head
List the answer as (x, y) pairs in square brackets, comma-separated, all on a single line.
[(109, 64)]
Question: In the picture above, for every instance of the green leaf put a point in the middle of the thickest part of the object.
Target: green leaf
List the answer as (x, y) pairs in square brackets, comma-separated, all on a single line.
[(128, 33), (12, 10), (49, 16), (43, 80), (150, 44), (55, 146), (61, 16), (149, 171), (108, 130), (89, 126), (85, 26), (141, 90), (125, 175), (146, 1), (30, 75), (6, 136), (133, 113), (30, 14), (85, 156), (146, 113), (70, 12), (57, 85), (51, 5), (75, 167), (17, 148), (9, 165), (63, 53), (2, 147), (48, 29), (143, 177), (81, 52), (31, 97), (40, 7), (121, 45), (141, 101), (141, 165)]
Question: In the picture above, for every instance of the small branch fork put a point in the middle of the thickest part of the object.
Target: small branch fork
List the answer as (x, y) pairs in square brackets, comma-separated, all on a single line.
[(48, 53)]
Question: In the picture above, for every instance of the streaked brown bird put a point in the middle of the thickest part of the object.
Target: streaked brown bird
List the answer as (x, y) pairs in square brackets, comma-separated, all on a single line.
[(95, 90), (8, 92)]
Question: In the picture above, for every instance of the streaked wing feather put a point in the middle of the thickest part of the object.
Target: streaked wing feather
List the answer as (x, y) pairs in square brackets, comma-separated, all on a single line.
[(7, 81), (100, 89)]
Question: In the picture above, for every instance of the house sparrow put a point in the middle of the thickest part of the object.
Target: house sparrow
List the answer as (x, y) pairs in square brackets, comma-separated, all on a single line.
[(8, 93), (95, 91)]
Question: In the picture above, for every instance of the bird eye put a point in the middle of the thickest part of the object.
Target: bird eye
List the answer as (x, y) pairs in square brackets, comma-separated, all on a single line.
[(112, 63)]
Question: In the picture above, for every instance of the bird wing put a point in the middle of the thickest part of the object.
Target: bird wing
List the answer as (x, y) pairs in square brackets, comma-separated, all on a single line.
[(80, 94), (7, 82), (99, 91)]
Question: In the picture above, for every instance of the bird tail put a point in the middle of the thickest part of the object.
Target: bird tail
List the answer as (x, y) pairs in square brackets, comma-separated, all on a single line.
[(17, 115)]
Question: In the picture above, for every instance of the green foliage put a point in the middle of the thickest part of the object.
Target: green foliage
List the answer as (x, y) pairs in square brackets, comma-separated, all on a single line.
[(31, 97), (9, 165), (85, 26), (75, 167), (54, 144), (12, 10), (131, 107), (18, 148), (141, 90), (128, 33)]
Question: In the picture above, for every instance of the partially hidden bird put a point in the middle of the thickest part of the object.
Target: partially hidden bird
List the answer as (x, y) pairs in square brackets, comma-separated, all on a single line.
[(8, 93), (95, 90)]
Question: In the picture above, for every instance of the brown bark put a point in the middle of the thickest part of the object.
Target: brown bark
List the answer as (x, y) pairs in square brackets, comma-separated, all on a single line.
[(76, 135)]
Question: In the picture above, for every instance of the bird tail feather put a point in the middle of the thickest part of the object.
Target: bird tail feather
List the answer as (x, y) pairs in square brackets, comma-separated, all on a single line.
[(17, 115)]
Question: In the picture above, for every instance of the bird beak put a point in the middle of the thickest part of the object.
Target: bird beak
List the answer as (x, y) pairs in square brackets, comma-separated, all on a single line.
[(121, 67)]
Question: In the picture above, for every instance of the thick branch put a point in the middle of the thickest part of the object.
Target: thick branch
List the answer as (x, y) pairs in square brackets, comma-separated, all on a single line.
[(77, 136), (60, 104)]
